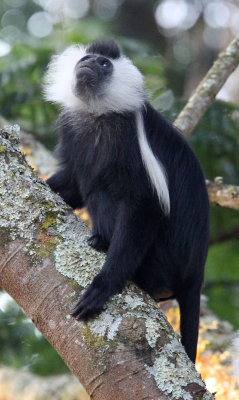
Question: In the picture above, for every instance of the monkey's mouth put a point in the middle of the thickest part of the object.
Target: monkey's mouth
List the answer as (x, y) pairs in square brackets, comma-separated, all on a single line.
[(86, 73), (86, 66)]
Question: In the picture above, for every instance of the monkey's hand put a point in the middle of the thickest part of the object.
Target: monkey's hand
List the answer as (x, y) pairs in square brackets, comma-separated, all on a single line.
[(93, 299)]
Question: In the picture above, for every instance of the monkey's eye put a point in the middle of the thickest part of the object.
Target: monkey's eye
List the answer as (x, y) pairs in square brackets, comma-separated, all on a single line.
[(104, 62), (85, 58)]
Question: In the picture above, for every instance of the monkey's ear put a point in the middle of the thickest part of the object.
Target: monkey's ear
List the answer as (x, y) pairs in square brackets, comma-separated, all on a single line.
[(59, 78), (107, 48)]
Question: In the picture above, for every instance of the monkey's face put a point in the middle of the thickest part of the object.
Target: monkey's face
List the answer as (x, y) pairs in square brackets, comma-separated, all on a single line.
[(96, 79), (92, 75)]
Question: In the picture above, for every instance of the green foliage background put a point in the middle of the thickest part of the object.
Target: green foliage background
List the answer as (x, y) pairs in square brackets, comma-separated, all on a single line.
[(215, 141)]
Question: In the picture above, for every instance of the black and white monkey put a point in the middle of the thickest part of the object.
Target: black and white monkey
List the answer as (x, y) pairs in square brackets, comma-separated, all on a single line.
[(142, 184)]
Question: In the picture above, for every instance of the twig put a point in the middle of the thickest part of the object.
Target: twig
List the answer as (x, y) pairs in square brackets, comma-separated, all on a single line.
[(223, 195), (207, 90)]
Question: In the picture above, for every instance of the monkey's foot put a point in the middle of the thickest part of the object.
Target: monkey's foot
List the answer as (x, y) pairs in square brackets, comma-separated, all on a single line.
[(97, 243), (93, 299)]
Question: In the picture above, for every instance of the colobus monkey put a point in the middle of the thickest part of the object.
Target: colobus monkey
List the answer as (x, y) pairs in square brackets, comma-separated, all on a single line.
[(142, 184)]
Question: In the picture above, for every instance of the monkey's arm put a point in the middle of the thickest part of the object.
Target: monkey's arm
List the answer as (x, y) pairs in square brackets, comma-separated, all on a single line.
[(61, 183), (133, 235)]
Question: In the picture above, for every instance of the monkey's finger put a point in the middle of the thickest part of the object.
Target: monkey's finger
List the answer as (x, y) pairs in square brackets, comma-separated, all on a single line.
[(85, 301), (87, 313), (84, 296), (85, 308)]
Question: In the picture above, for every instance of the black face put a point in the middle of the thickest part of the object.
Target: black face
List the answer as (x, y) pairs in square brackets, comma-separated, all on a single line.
[(92, 73)]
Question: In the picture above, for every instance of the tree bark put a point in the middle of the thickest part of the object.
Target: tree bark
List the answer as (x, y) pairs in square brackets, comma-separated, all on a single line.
[(36, 153), (129, 351), (207, 90)]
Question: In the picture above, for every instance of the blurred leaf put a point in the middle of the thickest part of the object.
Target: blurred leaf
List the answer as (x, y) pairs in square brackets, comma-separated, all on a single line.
[(22, 347)]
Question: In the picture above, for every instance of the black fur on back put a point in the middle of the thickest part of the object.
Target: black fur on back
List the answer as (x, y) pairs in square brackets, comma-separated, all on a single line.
[(107, 48)]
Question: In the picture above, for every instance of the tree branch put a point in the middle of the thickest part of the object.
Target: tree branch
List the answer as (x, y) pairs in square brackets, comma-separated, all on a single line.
[(207, 90), (197, 105), (223, 195), (129, 351)]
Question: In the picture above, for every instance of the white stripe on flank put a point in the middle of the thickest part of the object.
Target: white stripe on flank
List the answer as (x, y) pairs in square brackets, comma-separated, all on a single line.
[(153, 166)]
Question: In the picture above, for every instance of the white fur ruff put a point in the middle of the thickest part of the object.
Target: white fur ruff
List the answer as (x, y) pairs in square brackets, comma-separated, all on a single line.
[(123, 93), (59, 78), (153, 166)]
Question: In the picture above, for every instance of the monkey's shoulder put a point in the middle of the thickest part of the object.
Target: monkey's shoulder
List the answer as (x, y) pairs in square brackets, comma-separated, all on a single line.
[(160, 128), (167, 142)]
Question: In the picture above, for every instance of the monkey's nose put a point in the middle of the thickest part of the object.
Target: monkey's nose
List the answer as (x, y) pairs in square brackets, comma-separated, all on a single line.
[(89, 64)]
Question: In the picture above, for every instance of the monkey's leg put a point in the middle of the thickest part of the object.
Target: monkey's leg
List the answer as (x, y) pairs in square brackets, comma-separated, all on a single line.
[(189, 303), (61, 182), (134, 233), (102, 210)]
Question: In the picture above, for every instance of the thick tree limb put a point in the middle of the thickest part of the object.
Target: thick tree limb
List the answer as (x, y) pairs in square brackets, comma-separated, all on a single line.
[(36, 154), (129, 351), (223, 195), (207, 90)]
